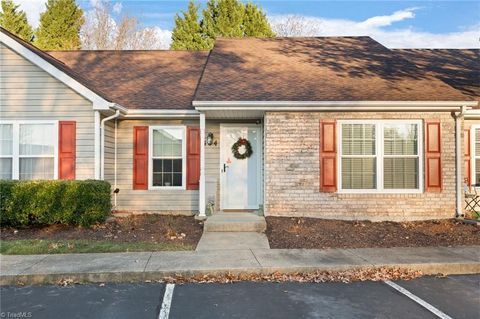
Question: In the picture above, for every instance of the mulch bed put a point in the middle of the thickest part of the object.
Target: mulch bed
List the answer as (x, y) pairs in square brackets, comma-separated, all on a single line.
[(149, 228), (313, 233)]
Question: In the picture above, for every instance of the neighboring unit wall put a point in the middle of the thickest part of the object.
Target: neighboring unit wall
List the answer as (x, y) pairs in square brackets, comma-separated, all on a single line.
[(161, 201), (469, 130), (292, 173), (29, 93)]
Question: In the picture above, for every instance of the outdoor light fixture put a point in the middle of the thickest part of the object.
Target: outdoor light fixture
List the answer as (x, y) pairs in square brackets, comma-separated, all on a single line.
[(210, 139)]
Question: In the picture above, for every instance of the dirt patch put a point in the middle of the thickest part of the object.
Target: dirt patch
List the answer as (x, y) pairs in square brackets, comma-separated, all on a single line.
[(313, 233), (148, 228)]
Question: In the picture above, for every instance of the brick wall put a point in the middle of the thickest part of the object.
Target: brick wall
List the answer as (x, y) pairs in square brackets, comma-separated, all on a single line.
[(292, 173)]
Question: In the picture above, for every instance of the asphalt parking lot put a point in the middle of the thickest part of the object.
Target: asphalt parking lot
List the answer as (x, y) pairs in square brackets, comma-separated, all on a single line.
[(454, 296)]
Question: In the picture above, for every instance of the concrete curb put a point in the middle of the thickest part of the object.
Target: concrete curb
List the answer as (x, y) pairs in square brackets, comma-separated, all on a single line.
[(36, 279), (138, 267)]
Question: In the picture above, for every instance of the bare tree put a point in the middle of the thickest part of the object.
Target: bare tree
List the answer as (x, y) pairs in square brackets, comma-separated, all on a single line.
[(102, 32), (294, 26)]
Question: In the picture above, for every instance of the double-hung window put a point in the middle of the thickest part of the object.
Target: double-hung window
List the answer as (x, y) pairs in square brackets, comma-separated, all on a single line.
[(380, 156), (167, 159), (475, 139), (28, 150), (6, 151)]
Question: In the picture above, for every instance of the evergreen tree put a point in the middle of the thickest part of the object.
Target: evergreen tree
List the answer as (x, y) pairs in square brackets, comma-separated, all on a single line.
[(187, 33), (15, 20), (255, 23), (223, 18), (60, 26)]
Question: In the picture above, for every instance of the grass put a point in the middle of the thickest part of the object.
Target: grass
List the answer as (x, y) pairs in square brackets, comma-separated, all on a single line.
[(38, 246)]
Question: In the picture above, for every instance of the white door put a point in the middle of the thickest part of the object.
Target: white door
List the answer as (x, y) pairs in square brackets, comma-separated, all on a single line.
[(240, 178)]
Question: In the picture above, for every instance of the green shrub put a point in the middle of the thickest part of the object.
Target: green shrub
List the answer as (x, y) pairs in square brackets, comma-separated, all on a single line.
[(82, 203)]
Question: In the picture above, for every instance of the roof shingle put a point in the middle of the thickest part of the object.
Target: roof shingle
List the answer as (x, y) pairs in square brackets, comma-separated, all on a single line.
[(315, 69), (140, 79), (460, 68)]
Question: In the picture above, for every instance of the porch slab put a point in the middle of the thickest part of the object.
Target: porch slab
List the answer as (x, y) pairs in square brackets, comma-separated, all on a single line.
[(235, 222), (232, 241)]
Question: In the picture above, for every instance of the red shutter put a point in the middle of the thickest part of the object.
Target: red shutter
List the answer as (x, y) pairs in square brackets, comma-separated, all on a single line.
[(67, 149), (140, 157), (193, 157), (328, 156), (467, 158), (433, 162)]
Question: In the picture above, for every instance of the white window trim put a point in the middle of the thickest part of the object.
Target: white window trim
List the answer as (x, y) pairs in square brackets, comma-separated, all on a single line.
[(379, 154), (473, 156), (16, 146), (150, 157)]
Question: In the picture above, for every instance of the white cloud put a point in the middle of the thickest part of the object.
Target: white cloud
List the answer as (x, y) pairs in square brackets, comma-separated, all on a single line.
[(382, 21), (164, 38), (32, 8), (117, 7), (396, 38), (95, 3)]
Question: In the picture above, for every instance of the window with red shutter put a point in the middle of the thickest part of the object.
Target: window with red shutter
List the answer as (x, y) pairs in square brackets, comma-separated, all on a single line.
[(140, 157), (66, 149), (433, 161)]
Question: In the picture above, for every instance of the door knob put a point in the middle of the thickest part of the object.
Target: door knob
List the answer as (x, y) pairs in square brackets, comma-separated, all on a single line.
[(224, 167)]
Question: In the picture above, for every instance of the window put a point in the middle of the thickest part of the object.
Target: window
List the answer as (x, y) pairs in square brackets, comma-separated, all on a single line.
[(380, 156), (6, 151), (28, 150), (167, 149), (475, 137), (358, 156)]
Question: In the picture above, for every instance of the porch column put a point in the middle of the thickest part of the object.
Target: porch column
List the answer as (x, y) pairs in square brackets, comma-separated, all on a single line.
[(201, 200), (97, 145)]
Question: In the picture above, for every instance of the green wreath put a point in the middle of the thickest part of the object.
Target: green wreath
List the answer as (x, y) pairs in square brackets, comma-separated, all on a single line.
[(248, 148)]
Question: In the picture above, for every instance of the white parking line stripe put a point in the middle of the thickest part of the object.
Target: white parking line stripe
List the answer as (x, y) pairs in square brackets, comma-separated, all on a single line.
[(418, 300), (167, 301)]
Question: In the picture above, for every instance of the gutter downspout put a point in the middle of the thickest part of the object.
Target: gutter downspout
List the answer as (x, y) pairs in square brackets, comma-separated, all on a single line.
[(115, 168), (102, 143), (458, 160)]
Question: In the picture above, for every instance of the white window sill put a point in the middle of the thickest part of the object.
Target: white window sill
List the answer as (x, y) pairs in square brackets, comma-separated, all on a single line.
[(163, 188), (374, 191)]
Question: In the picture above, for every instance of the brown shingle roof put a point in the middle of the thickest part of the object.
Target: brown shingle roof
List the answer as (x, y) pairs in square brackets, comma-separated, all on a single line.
[(280, 69), (140, 79), (460, 68), (58, 64), (315, 69)]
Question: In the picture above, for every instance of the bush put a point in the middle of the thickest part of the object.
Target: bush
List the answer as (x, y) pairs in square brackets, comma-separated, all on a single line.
[(82, 203)]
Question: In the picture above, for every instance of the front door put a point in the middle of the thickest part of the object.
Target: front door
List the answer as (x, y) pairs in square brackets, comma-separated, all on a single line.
[(240, 178)]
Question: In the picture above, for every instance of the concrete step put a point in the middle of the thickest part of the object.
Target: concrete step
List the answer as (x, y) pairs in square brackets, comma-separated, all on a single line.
[(235, 222), (232, 241)]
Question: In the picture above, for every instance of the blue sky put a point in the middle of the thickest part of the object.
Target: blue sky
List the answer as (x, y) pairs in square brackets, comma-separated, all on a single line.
[(393, 23), (433, 16)]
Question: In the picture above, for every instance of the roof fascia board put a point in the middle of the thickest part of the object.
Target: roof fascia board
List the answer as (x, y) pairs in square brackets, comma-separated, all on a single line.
[(161, 114), (118, 107), (472, 114), (162, 111), (329, 105), (99, 103)]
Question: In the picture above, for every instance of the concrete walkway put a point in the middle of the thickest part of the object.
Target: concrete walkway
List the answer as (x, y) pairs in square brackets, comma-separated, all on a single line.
[(123, 267), (232, 241)]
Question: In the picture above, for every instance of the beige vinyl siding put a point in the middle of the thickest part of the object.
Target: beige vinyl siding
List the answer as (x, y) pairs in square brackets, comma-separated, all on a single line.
[(164, 200), (212, 165), (29, 93), (109, 168)]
